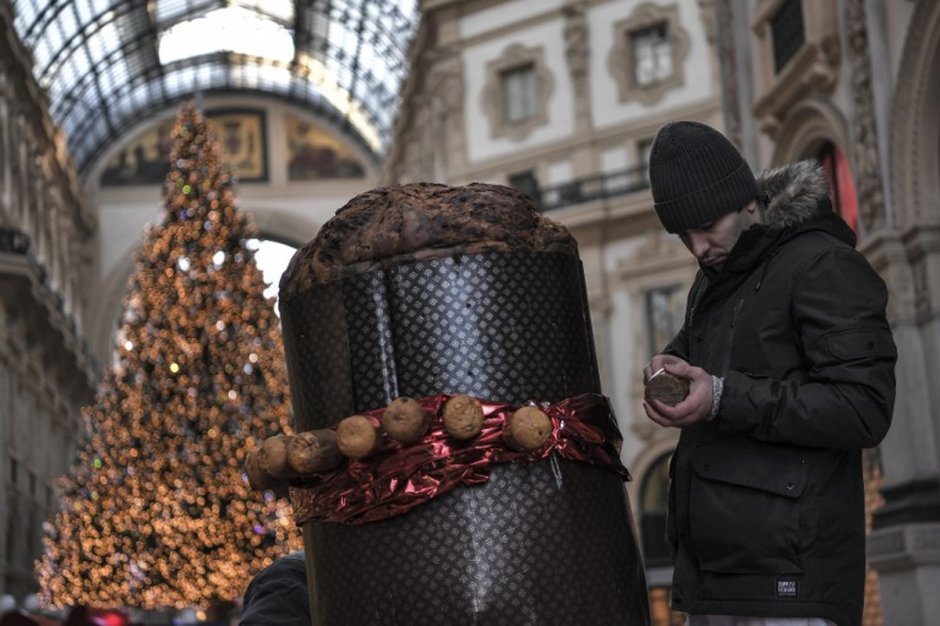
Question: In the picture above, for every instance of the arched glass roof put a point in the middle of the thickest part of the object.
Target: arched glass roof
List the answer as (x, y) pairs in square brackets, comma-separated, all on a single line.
[(110, 63)]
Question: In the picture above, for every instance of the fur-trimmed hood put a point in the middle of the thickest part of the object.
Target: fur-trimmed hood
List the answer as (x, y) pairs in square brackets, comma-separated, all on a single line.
[(792, 199), (792, 194)]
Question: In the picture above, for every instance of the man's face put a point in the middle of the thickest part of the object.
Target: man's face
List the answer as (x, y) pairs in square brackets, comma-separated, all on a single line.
[(712, 243)]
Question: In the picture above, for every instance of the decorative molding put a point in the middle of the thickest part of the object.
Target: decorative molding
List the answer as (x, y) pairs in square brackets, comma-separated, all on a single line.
[(871, 203), (577, 51), (659, 252), (725, 43), (513, 57), (707, 12), (445, 111), (808, 123), (887, 253), (922, 244), (621, 63), (902, 547), (814, 69), (914, 126)]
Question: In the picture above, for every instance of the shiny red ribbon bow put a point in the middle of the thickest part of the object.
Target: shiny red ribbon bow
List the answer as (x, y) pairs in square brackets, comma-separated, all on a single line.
[(401, 477)]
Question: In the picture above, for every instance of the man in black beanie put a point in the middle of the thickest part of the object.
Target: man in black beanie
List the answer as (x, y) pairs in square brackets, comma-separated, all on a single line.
[(790, 363)]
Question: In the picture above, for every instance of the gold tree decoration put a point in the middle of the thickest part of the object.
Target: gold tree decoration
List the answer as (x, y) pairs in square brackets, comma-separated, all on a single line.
[(157, 512)]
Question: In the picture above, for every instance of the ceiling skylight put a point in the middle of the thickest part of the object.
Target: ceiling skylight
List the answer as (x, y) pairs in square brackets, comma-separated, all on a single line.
[(109, 64), (232, 29)]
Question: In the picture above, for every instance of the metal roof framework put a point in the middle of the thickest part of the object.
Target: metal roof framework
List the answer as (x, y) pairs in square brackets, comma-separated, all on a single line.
[(108, 64)]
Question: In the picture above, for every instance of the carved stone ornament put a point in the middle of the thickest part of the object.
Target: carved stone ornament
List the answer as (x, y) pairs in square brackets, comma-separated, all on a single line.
[(724, 20), (871, 202), (813, 69), (516, 56), (576, 45), (621, 61)]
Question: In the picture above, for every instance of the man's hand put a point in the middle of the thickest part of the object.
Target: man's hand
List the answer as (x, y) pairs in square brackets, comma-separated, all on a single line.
[(698, 404), (657, 363)]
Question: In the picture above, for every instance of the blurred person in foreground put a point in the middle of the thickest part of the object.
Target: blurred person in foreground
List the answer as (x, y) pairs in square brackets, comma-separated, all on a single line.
[(790, 364), (277, 596)]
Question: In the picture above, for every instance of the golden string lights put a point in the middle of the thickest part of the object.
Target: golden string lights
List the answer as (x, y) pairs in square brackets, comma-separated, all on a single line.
[(156, 512)]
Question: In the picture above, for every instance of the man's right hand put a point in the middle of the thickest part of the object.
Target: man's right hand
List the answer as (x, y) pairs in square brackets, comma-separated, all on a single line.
[(697, 404)]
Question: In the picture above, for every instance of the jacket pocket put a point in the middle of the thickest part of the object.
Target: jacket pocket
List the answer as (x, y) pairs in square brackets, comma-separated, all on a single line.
[(860, 343), (744, 510)]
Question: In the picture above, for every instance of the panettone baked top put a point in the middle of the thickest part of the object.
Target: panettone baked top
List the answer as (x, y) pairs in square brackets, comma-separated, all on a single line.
[(393, 225)]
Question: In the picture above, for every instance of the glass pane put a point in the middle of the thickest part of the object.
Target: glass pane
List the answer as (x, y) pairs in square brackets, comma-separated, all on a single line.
[(652, 54), (665, 313), (518, 90), (71, 37)]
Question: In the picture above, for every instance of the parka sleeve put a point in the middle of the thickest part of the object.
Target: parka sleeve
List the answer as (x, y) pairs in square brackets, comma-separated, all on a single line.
[(678, 346), (846, 399)]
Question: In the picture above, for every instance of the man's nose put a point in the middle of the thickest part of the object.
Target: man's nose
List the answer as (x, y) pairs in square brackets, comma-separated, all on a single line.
[(698, 244)]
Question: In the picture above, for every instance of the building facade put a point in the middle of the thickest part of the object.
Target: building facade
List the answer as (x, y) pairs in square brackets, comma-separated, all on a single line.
[(560, 98), (47, 372), (855, 83), (88, 94)]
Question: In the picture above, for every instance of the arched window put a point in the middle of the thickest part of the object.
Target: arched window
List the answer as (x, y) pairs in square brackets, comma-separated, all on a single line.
[(841, 184)]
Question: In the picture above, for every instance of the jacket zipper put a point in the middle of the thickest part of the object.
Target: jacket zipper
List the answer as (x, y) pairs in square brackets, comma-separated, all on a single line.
[(729, 342)]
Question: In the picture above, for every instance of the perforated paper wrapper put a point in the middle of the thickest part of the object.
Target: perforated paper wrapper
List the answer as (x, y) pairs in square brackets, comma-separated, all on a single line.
[(544, 542)]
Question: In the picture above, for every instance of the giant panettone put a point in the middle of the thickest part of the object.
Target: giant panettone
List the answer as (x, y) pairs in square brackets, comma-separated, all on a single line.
[(421, 290)]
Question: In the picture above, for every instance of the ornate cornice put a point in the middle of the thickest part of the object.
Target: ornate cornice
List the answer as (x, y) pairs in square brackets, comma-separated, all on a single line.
[(28, 99), (516, 55), (814, 69), (724, 40), (620, 61), (917, 73), (871, 202)]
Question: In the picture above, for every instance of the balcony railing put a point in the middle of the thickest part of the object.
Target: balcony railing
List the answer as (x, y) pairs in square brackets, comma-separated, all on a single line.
[(593, 188), (16, 242)]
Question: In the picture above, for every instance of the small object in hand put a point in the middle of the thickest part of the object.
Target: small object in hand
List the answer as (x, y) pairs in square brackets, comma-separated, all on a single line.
[(463, 417), (357, 437), (528, 428), (405, 420), (667, 388), (313, 451)]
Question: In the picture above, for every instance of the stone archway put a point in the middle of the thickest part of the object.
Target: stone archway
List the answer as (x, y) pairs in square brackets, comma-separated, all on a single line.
[(280, 226), (808, 125), (909, 521), (915, 125)]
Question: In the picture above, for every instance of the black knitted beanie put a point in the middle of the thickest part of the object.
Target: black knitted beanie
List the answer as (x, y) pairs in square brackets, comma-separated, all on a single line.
[(696, 176)]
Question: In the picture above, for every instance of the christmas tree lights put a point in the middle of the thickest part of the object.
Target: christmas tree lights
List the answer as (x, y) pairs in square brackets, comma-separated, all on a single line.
[(157, 512)]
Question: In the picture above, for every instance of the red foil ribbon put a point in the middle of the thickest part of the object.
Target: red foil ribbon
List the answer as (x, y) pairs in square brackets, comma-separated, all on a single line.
[(401, 477)]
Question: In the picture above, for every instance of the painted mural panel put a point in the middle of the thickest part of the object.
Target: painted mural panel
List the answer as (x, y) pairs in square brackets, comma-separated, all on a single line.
[(315, 154), (242, 139)]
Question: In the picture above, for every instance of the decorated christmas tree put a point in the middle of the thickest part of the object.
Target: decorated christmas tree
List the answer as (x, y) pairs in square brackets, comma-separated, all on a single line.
[(157, 512)]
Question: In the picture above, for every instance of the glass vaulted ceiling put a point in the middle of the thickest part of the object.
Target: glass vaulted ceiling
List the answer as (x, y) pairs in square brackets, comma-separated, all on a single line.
[(107, 64)]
